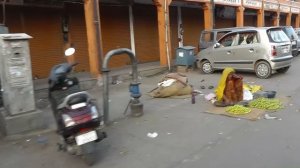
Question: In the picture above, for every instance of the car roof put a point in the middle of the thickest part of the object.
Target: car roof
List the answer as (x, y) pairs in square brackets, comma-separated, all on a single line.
[(228, 29), (281, 27), (256, 28), (284, 26), (248, 29)]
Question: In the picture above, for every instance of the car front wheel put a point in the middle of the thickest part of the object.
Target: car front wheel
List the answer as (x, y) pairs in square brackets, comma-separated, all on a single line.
[(263, 69), (206, 67)]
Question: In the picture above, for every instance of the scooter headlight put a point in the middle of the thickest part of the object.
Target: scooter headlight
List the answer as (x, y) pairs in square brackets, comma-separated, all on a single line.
[(68, 120), (94, 112)]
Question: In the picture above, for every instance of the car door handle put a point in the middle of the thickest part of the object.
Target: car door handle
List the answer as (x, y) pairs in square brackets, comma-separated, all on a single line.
[(251, 50), (228, 52)]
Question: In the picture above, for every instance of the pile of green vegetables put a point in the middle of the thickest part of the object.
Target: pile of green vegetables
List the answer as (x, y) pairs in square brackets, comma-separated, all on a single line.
[(266, 104), (238, 110), (260, 103)]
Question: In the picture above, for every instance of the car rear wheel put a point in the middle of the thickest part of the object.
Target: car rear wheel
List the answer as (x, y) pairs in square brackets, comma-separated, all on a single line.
[(263, 69), (283, 70), (206, 67)]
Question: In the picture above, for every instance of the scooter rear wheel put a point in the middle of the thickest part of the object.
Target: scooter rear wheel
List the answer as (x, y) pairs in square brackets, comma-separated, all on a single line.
[(89, 153)]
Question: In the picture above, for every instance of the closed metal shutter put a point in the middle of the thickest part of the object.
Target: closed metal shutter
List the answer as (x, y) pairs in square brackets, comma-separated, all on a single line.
[(293, 20), (115, 32), (13, 19), (146, 33), (44, 26), (250, 20), (268, 18), (193, 24), (283, 17), (250, 17), (223, 23), (78, 36)]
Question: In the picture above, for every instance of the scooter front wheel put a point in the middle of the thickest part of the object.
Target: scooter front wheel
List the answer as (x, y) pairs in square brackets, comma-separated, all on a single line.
[(89, 153)]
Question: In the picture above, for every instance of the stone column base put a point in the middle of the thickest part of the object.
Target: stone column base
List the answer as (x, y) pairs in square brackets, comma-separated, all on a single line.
[(22, 123)]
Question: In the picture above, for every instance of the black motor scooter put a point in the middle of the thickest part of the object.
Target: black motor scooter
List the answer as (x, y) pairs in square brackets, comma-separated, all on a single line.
[(78, 119)]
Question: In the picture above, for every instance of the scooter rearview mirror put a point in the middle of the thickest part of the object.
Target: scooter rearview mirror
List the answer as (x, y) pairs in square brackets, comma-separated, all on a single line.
[(69, 51)]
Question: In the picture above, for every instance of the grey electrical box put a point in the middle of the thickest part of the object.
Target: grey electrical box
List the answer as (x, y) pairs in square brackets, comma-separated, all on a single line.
[(15, 73), (185, 55)]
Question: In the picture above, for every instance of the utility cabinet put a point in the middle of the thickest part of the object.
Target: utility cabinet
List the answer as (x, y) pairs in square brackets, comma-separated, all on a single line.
[(185, 55), (15, 73)]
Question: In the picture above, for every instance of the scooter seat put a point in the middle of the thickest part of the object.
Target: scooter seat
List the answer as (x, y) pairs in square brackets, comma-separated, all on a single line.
[(77, 99)]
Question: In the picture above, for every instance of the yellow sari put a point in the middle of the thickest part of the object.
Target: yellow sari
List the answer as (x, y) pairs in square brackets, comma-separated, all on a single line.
[(222, 83)]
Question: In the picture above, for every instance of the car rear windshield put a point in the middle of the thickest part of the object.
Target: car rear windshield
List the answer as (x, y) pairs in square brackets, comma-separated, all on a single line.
[(277, 36)]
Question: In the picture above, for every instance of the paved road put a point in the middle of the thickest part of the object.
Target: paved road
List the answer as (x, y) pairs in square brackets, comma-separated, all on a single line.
[(187, 137)]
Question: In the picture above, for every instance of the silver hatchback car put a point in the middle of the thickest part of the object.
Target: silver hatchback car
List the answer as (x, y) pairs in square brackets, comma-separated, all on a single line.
[(262, 50)]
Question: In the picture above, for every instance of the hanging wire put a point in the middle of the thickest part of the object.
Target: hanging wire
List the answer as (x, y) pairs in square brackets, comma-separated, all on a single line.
[(3, 12)]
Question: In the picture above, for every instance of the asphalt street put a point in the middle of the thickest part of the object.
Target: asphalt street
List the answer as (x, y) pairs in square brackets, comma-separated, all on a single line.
[(187, 137)]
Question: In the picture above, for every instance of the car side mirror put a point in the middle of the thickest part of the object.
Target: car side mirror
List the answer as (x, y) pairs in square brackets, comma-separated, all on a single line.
[(217, 45)]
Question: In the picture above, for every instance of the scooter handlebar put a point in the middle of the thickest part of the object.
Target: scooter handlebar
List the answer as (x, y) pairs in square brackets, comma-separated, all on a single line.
[(74, 64)]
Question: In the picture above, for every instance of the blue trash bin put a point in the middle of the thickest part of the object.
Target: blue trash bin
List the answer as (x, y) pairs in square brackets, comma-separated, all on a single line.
[(185, 56)]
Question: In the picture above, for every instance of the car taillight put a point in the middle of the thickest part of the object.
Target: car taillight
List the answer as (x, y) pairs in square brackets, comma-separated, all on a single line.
[(273, 51)]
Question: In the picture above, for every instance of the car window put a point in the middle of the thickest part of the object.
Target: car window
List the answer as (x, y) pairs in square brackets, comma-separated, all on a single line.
[(247, 38), (221, 34), (229, 40), (207, 37), (277, 36)]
